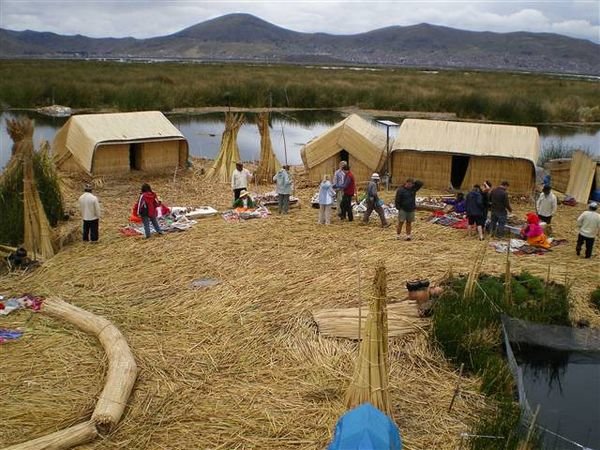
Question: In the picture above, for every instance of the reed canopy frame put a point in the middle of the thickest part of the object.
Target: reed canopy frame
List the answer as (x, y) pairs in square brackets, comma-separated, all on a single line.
[(355, 140), (461, 154), (103, 144)]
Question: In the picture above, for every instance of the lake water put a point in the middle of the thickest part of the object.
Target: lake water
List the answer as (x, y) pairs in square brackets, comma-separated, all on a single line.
[(289, 132), (566, 385)]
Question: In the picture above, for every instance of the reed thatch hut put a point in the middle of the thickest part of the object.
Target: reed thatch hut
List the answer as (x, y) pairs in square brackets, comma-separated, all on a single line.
[(102, 144), (355, 140), (461, 154)]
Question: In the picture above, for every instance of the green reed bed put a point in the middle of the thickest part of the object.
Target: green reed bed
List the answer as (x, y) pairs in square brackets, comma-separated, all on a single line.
[(469, 332), (516, 98)]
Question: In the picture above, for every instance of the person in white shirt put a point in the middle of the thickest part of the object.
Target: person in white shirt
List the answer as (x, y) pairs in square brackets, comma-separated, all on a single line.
[(90, 213), (239, 180), (546, 205), (589, 227)]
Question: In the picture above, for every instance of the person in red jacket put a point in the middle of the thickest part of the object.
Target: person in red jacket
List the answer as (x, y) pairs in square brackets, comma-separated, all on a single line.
[(146, 209), (349, 189)]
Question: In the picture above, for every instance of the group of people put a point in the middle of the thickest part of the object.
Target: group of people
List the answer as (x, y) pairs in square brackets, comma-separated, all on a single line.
[(478, 203), (343, 190)]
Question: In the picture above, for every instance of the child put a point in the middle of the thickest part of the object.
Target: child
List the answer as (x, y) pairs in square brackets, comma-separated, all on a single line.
[(326, 196)]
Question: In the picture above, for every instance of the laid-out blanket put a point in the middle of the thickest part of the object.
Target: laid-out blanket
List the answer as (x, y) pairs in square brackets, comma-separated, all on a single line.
[(8, 305), (521, 247), (389, 211), (271, 198), (452, 219), (167, 224), (235, 215)]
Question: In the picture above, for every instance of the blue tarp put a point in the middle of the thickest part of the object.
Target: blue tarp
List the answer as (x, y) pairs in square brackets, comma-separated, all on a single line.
[(365, 428)]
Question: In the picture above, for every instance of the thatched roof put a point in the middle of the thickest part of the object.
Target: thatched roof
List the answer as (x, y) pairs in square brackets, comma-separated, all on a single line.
[(82, 134), (476, 139), (357, 136)]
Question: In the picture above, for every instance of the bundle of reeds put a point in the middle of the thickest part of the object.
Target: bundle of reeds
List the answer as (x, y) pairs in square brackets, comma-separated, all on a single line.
[(46, 179), (229, 153), (370, 382), (268, 164)]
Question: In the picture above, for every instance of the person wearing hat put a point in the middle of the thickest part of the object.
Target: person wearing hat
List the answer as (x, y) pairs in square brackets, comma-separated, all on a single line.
[(406, 204), (283, 187), (90, 213), (588, 224), (239, 179), (373, 202), (244, 201)]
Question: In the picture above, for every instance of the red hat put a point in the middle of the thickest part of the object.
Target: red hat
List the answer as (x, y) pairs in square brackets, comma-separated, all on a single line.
[(532, 218)]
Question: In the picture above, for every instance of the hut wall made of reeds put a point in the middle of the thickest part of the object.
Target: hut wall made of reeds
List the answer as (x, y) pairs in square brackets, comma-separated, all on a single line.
[(462, 154), (84, 143), (363, 141), (560, 171)]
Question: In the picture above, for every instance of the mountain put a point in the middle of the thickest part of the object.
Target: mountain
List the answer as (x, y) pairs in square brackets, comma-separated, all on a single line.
[(243, 37)]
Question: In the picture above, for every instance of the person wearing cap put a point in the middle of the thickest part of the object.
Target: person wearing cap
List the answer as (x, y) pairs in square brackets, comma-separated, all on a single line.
[(244, 201), (500, 207), (90, 213), (588, 224), (239, 179), (406, 204), (283, 187), (338, 180), (373, 202), (546, 205)]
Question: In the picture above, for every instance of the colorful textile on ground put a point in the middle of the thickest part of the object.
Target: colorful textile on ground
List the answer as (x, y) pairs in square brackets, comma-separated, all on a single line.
[(167, 224), (9, 335), (520, 247), (193, 212), (365, 427), (270, 198), (432, 204), (235, 215), (25, 301), (389, 211), (451, 219)]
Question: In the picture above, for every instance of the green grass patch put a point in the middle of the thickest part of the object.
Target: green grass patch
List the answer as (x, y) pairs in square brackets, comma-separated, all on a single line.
[(469, 332), (595, 298), (500, 96)]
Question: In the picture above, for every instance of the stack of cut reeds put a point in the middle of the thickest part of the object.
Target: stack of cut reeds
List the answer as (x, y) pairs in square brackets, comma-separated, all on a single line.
[(229, 153), (268, 164), (370, 382)]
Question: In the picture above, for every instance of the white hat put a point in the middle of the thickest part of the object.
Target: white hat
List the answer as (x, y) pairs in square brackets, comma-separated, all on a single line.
[(375, 176), (593, 205)]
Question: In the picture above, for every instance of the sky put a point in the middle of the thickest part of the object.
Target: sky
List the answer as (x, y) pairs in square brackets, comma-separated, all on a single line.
[(150, 18)]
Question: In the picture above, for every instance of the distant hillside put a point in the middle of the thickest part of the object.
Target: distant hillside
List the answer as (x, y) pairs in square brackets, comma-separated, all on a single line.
[(238, 37)]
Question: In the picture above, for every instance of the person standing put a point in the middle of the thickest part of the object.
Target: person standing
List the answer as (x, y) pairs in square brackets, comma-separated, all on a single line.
[(146, 209), (406, 205), (283, 187), (338, 180), (546, 206), (588, 224), (90, 214), (475, 211), (326, 196), (239, 179), (373, 202), (349, 190), (500, 207)]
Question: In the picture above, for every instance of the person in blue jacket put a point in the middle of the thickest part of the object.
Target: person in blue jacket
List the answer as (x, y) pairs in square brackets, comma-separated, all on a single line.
[(475, 209)]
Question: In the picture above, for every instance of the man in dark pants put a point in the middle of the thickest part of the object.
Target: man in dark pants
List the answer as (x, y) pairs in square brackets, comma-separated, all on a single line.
[(406, 204), (588, 224), (349, 189), (90, 213), (500, 207)]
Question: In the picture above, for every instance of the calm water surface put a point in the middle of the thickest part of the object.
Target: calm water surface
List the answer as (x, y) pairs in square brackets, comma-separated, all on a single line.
[(289, 132)]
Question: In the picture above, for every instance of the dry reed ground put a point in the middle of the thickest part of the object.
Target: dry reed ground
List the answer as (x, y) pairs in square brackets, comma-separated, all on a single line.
[(240, 365)]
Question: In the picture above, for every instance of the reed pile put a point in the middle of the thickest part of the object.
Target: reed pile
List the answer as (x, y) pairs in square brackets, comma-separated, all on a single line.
[(229, 152), (240, 364), (268, 164)]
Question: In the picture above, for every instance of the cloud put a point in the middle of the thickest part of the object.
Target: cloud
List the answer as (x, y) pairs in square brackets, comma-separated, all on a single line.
[(143, 18)]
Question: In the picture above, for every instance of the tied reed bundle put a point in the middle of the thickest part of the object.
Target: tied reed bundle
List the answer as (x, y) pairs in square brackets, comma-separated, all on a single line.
[(229, 153), (371, 376), (268, 164)]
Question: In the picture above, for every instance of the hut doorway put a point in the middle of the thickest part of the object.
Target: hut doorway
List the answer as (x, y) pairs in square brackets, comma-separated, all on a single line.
[(344, 156), (460, 163), (135, 156)]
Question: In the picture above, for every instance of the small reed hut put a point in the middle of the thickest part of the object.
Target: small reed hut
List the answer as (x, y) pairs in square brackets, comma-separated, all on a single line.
[(103, 144), (355, 140), (461, 154), (229, 153)]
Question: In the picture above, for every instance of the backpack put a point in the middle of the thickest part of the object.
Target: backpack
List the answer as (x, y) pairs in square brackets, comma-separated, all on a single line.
[(142, 207)]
